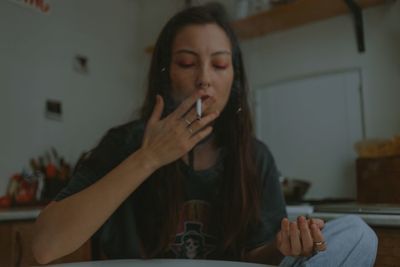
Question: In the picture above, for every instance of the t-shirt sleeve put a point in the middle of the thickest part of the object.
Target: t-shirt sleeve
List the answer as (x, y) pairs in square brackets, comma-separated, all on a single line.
[(98, 162), (273, 207)]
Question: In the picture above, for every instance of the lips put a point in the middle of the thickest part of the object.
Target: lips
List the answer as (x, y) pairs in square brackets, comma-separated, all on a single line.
[(203, 98)]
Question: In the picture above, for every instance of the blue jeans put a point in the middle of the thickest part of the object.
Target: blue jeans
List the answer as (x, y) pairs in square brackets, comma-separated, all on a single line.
[(350, 242)]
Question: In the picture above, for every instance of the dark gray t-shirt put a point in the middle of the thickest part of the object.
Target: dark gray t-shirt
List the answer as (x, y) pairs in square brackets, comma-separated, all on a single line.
[(194, 239)]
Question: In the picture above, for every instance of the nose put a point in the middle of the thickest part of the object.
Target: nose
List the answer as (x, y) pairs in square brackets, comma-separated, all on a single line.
[(203, 80)]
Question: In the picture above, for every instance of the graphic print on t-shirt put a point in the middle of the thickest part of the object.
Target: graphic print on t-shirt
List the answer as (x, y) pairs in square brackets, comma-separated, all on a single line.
[(194, 239)]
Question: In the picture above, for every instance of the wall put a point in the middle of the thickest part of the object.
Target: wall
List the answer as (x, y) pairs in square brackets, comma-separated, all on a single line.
[(37, 52), (330, 46), (150, 20)]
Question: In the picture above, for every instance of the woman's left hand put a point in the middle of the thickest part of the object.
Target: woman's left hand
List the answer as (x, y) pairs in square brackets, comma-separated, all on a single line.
[(300, 238)]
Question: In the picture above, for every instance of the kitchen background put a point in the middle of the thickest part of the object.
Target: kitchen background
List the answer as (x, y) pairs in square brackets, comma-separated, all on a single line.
[(38, 62)]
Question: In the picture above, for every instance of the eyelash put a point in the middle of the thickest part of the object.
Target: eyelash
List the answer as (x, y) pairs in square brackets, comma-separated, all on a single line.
[(186, 66), (220, 67)]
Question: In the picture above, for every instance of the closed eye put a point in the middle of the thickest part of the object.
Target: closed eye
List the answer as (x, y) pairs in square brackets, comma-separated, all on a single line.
[(185, 65), (221, 67)]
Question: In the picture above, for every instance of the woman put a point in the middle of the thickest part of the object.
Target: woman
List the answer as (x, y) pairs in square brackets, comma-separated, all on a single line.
[(179, 184)]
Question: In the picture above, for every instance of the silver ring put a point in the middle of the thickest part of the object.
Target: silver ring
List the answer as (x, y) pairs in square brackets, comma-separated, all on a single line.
[(319, 246), (187, 122), (190, 130)]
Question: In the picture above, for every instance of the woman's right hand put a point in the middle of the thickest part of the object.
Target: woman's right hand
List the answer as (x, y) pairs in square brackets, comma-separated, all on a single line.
[(166, 140), (301, 238)]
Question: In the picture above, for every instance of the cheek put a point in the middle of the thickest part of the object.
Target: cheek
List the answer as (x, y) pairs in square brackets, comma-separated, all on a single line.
[(225, 91), (180, 83)]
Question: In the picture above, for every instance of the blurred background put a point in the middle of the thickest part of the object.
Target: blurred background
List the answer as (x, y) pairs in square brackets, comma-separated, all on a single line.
[(324, 76)]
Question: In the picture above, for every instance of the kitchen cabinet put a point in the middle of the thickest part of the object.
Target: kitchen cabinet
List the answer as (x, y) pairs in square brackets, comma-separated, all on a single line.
[(15, 245), (388, 247)]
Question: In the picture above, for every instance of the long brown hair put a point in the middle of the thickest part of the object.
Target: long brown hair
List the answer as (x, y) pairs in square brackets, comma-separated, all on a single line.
[(159, 199)]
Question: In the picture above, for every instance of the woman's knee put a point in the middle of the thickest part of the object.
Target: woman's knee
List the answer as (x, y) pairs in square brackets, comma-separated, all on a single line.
[(361, 232), (356, 222), (352, 241), (368, 234)]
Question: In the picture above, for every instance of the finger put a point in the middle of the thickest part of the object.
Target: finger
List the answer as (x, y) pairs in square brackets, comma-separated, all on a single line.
[(317, 237), (200, 136), (157, 111), (206, 104), (306, 238), (316, 233), (320, 223), (295, 242), (285, 245), (187, 104), (197, 125), (279, 244), (279, 238)]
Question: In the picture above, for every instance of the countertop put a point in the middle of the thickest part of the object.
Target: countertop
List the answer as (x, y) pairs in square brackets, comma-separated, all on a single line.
[(375, 215), (373, 218), (25, 213), (160, 262)]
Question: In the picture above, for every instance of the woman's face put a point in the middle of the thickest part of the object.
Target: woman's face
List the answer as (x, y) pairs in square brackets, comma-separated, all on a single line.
[(202, 59)]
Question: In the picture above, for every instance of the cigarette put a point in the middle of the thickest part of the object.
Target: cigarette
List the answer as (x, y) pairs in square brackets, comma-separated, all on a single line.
[(198, 108)]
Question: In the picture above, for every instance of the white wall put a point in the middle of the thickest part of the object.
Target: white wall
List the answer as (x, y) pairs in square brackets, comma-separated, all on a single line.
[(36, 58), (150, 19), (330, 46)]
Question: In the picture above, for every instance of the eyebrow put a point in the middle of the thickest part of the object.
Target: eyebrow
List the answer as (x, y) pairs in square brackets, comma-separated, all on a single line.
[(222, 52)]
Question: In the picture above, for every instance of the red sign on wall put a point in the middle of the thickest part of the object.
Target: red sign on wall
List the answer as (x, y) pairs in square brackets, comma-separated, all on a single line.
[(39, 5)]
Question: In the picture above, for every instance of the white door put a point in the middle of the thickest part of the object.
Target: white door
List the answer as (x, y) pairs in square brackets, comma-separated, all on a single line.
[(311, 125)]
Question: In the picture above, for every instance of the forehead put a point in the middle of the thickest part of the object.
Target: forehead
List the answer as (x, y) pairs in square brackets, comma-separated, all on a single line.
[(207, 38)]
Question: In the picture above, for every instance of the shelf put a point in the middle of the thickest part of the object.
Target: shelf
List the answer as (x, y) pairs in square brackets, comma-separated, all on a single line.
[(291, 15), (296, 13)]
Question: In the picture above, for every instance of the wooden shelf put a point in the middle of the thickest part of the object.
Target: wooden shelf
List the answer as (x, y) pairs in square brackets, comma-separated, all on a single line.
[(291, 15), (297, 13)]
